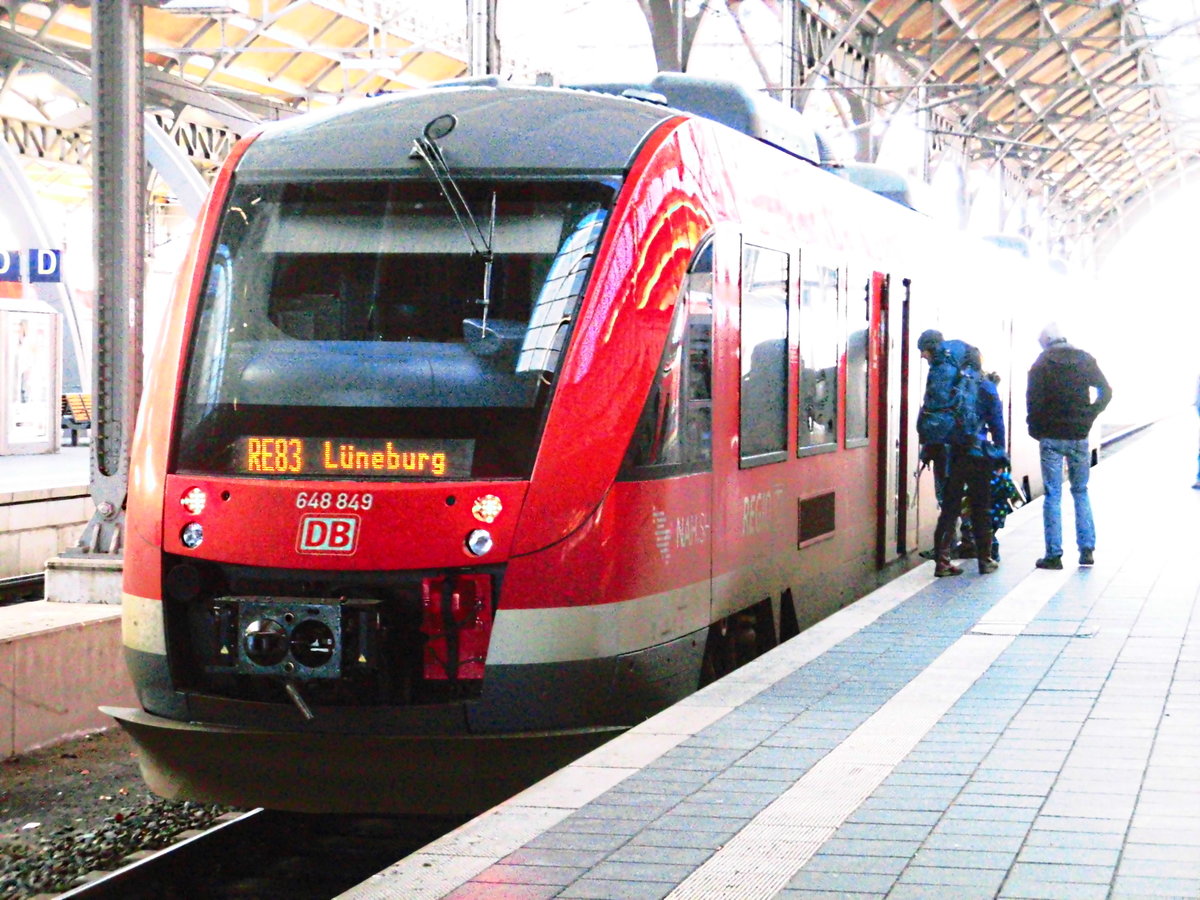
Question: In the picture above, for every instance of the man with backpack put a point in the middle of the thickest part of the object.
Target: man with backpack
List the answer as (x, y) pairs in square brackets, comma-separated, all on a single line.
[(954, 413), (1060, 415)]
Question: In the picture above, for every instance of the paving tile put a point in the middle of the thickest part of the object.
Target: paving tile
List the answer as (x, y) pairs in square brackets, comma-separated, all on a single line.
[(969, 812), (939, 892), (1168, 852), (504, 873), (963, 859), (1142, 886), (1082, 856), (739, 808), (995, 793), (987, 843), (1058, 872), (1025, 888), (1080, 824), (638, 852), (872, 865), (1066, 838), (640, 871), (1182, 869), (868, 847), (886, 816), (1164, 835), (1089, 805), (878, 831), (981, 826), (697, 824), (681, 838), (984, 879), (605, 889), (556, 839), (476, 890), (545, 856), (834, 883), (908, 800)]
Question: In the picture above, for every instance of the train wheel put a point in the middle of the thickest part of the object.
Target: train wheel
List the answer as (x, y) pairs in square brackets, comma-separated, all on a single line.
[(735, 640)]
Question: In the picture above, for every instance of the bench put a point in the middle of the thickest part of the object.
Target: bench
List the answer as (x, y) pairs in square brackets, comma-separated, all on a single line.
[(76, 414)]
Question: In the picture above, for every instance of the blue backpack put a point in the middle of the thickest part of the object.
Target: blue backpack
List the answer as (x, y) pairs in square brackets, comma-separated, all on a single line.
[(950, 413)]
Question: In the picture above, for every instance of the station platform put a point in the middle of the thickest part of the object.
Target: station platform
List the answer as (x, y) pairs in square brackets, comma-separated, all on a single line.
[(1025, 734), (45, 502), (59, 661)]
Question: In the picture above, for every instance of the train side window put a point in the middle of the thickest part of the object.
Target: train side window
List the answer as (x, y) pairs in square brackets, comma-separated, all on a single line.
[(764, 356), (858, 323), (674, 433), (819, 351)]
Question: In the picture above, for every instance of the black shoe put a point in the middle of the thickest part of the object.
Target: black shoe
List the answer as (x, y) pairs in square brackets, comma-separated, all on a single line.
[(1049, 562), (1085, 558), (964, 551), (988, 566), (927, 554)]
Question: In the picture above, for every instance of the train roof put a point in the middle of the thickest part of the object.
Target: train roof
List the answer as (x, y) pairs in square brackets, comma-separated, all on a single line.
[(534, 131), (591, 129), (885, 182), (727, 102)]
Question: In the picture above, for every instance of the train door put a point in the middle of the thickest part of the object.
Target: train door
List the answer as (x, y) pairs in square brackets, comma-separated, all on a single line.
[(897, 511)]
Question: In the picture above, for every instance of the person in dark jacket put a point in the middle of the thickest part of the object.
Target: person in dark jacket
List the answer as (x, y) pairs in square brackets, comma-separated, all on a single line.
[(934, 456), (970, 471), (1061, 409), (991, 416)]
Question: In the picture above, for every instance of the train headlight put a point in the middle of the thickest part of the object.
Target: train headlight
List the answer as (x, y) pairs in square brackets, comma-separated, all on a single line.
[(192, 535), (266, 642), (479, 542), (194, 501)]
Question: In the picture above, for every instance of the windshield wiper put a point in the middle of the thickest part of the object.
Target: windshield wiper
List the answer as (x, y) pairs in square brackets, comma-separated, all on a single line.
[(426, 149)]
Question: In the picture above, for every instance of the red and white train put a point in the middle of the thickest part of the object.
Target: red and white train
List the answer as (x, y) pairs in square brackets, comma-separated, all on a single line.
[(488, 421)]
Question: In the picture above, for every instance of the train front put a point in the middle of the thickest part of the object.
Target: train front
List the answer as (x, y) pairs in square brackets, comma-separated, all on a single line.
[(337, 440)]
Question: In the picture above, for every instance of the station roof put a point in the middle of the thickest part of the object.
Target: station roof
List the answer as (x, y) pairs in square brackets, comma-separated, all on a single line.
[(1093, 105)]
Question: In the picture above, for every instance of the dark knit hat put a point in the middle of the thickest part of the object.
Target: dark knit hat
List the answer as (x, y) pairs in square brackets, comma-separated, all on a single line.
[(929, 339)]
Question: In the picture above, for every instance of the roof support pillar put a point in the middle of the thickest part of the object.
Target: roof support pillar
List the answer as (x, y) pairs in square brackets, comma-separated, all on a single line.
[(482, 46), (120, 189)]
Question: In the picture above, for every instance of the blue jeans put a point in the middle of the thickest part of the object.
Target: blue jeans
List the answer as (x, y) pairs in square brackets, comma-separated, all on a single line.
[(1078, 457)]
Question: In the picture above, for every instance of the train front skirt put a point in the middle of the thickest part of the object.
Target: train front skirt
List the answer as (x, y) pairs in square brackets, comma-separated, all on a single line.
[(451, 774)]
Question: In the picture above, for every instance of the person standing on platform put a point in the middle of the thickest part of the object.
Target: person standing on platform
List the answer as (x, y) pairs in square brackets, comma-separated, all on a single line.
[(934, 455), (970, 469), (1061, 410), (992, 442)]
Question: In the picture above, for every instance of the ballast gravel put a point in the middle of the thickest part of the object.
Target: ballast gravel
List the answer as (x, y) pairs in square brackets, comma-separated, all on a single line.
[(80, 807)]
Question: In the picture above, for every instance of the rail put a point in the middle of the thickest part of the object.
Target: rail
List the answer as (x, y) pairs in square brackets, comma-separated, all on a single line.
[(22, 588)]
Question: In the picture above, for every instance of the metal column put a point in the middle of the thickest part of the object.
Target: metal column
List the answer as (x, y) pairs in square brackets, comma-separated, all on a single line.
[(120, 180)]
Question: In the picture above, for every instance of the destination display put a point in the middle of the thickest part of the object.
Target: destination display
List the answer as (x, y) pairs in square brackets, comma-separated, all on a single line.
[(354, 457)]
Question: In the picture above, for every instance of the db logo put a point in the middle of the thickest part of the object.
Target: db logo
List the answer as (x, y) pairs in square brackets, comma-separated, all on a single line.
[(327, 534)]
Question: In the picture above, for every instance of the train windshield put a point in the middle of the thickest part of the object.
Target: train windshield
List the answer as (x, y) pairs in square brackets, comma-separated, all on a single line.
[(357, 330)]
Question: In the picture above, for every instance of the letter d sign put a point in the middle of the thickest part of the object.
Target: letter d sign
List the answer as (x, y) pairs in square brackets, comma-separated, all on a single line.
[(45, 266), (10, 265)]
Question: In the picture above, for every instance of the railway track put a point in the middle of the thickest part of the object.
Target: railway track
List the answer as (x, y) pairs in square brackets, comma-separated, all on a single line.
[(265, 855), (21, 588)]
